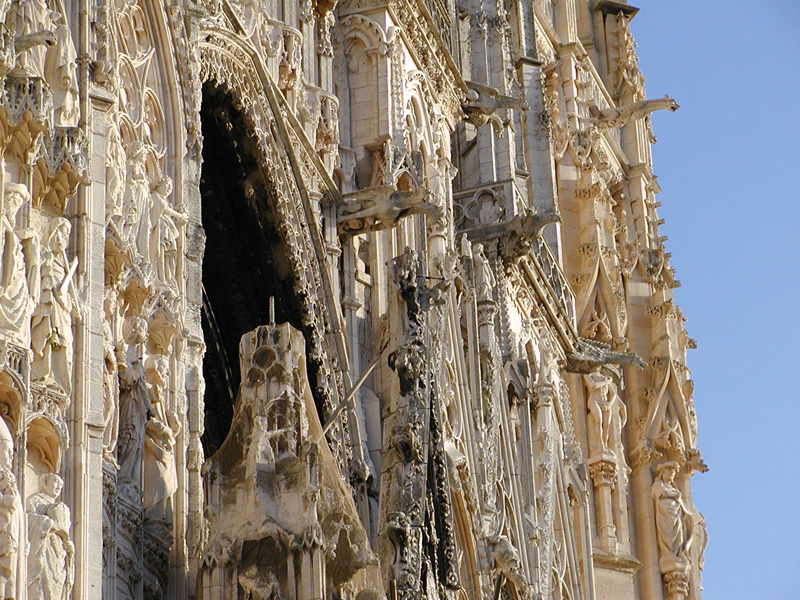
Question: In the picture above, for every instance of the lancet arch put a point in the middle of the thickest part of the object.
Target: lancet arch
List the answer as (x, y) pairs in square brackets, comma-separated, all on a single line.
[(280, 164)]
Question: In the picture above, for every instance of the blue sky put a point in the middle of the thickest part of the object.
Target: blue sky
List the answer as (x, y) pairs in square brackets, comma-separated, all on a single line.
[(729, 162)]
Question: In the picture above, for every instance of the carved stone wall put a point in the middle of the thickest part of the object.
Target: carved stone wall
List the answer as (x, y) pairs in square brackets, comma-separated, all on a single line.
[(314, 300)]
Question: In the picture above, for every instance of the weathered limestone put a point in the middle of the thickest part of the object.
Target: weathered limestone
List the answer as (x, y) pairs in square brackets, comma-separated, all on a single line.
[(310, 299)]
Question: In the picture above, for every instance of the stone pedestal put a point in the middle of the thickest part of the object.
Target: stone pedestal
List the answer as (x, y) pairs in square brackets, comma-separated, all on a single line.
[(603, 470), (677, 583)]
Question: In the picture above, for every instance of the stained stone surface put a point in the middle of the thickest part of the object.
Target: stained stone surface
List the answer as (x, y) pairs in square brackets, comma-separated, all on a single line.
[(349, 300)]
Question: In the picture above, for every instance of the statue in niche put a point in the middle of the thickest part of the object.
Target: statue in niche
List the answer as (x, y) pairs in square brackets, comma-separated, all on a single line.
[(19, 276), (115, 176), (162, 428), (10, 514), (110, 394), (134, 402), (136, 229), (165, 224), (440, 179), (674, 520), (259, 585), (606, 410), (61, 69), (32, 24), (484, 276), (51, 324), (51, 558)]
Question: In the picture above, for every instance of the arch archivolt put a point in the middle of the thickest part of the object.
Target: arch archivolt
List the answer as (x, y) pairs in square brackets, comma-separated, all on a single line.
[(363, 28), (225, 62)]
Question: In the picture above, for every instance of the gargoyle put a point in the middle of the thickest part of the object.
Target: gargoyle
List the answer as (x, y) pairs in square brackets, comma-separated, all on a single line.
[(521, 232), (590, 355), (506, 561), (609, 118), (484, 101), (40, 38), (695, 460), (382, 207)]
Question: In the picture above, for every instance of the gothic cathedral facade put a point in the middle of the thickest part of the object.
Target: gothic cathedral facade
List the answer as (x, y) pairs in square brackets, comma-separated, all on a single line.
[(337, 300)]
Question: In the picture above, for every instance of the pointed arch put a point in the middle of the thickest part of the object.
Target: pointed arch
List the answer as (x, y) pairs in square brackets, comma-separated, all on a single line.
[(287, 162)]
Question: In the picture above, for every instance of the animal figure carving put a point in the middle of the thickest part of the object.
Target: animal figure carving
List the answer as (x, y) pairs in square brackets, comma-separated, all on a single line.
[(506, 560), (610, 118), (380, 208), (259, 585), (484, 101)]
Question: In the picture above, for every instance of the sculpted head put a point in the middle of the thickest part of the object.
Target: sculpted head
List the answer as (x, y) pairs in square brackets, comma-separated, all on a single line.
[(16, 194), (134, 330), (672, 106), (58, 234), (157, 366), (51, 484), (6, 445), (668, 470), (164, 186)]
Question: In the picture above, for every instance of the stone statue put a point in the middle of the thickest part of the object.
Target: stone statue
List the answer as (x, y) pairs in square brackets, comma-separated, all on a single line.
[(32, 24), (259, 584), (377, 208), (110, 394), (51, 558), (483, 102), (115, 175), (134, 403), (10, 514), (484, 276), (163, 426), (674, 521), (165, 222), (19, 262), (136, 229), (51, 324), (160, 478), (607, 412), (701, 533), (440, 180), (61, 72)]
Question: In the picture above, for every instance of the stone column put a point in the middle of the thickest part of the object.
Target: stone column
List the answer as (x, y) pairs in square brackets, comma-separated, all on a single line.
[(545, 447), (604, 476), (405, 464)]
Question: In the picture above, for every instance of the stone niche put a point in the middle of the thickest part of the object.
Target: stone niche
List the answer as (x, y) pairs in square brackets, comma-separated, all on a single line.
[(281, 520)]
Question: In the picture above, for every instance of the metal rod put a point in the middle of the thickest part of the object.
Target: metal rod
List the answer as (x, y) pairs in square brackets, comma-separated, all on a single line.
[(343, 404)]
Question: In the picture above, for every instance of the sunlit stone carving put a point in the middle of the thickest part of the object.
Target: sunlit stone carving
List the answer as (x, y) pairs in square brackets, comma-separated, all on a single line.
[(11, 515), (18, 267), (51, 558), (429, 234), (51, 324)]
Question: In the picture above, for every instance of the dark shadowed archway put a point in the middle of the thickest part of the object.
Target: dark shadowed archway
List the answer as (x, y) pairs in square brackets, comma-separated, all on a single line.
[(245, 262)]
